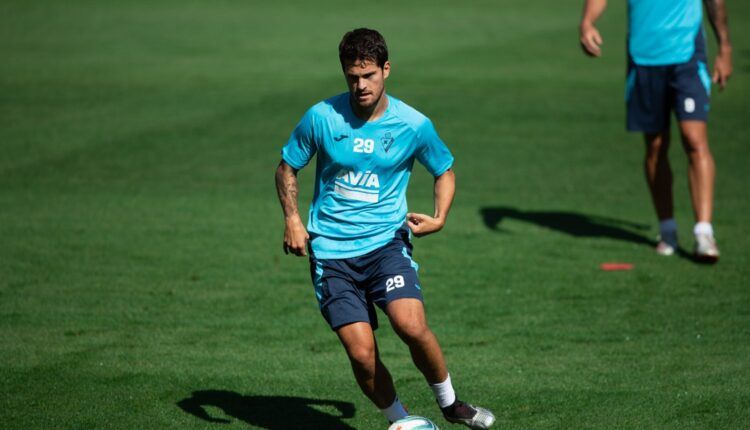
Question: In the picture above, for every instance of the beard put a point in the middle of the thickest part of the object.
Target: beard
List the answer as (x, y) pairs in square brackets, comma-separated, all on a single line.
[(370, 100)]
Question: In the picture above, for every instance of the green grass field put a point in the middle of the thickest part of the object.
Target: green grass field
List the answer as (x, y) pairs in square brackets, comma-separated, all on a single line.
[(142, 281)]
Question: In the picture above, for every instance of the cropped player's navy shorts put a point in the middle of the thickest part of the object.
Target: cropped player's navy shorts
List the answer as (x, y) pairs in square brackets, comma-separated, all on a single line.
[(347, 289), (652, 92)]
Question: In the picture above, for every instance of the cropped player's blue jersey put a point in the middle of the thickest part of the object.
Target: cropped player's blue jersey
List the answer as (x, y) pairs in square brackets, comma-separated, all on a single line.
[(663, 32), (362, 172)]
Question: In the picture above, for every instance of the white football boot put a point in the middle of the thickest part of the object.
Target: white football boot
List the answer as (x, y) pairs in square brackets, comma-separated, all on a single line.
[(706, 250)]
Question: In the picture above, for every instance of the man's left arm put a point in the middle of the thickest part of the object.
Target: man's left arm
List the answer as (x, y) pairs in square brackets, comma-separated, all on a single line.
[(717, 16), (444, 190)]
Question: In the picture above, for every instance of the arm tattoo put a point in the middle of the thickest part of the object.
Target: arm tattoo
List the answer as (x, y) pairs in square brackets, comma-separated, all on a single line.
[(286, 187)]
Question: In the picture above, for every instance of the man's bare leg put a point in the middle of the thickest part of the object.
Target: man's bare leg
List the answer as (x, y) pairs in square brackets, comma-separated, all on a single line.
[(701, 176), (659, 180), (659, 173), (701, 169), (372, 376), (408, 320)]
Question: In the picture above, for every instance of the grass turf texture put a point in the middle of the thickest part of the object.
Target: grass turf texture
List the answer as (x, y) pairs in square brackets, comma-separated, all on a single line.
[(141, 260)]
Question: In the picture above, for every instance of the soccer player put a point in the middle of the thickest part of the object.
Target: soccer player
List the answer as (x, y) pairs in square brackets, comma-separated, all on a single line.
[(667, 72), (358, 227)]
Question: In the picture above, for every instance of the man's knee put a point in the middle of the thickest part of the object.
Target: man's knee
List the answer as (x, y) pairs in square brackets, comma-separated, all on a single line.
[(362, 356), (694, 138), (657, 145), (696, 145), (412, 331), (408, 320)]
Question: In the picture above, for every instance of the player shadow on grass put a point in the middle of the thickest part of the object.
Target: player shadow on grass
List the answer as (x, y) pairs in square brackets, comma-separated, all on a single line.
[(269, 412), (574, 224)]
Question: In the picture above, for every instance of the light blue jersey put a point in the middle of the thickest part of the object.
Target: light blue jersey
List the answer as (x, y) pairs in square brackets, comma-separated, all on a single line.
[(663, 32), (362, 172)]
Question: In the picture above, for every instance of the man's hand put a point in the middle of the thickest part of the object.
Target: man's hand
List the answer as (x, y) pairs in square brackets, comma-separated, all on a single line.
[(591, 40), (723, 67), (444, 190), (422, 225), (295, 237)]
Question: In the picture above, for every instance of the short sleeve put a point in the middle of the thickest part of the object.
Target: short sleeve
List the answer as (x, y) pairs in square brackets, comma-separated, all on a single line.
[(301, 146), (432, 152)]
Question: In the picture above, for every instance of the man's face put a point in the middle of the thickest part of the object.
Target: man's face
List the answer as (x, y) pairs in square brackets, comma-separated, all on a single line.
[(366, 82)]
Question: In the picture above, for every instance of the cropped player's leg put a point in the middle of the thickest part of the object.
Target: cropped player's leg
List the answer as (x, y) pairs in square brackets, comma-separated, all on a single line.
[(648, 98), (692, 90), (347, 311), (408, 320), (659, 179), (701, 174), (371, 375), (701, 169)]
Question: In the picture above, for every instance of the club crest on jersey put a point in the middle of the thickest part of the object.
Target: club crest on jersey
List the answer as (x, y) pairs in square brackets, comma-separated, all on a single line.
[(387, 141), (361, 186)]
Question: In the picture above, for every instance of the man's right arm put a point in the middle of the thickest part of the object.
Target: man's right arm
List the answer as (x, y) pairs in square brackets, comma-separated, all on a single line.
[(295, 234), (590, 38)]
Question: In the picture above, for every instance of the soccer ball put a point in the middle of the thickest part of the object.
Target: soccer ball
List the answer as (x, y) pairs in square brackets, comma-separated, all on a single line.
[(413, 423)]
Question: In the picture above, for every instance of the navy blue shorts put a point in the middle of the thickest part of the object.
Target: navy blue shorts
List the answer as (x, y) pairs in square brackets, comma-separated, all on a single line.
[(653, 92), (347, 289)]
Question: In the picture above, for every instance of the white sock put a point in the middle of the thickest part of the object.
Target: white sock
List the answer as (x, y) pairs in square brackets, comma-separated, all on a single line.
[(395, 411), (444, 392), (667, 226), (703, 228)]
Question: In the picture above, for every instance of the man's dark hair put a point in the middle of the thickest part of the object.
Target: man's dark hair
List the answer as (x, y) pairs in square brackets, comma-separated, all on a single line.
[(363, 44)]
